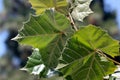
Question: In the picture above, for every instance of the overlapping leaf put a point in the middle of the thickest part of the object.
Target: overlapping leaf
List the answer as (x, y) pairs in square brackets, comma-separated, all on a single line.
[(80, 58), (33, 61), (81, 9), (46, 32), (42, 5)]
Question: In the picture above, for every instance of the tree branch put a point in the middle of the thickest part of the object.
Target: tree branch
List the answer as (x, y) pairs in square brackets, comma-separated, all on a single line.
[(72, 22)]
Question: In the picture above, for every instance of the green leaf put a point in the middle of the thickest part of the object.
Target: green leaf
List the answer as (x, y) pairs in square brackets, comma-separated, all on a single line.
[(48, 32), (80, 58), (42, 5), (80, 9), (34, 64), (93, 69)]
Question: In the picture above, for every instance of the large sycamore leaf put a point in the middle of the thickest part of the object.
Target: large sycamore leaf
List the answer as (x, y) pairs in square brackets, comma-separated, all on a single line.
[(48, 33), (42, 5), (81, 10), (80, 58)]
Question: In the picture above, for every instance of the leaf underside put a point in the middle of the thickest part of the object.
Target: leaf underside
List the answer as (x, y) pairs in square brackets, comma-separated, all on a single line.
[(81, 9)]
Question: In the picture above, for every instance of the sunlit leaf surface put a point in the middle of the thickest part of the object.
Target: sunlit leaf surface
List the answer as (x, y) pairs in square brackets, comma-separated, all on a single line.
[(80, 58)]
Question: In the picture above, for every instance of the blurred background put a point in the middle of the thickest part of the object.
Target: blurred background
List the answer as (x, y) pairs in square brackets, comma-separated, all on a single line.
[(14, 12)]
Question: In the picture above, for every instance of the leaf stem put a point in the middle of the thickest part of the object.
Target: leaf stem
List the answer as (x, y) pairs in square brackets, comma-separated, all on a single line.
[(72, 22), (107, 56)]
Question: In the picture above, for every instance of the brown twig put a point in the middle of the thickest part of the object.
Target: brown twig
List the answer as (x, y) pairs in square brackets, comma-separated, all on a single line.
[(72, 22)]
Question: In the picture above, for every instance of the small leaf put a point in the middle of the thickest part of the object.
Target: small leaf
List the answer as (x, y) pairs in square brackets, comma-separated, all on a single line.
[(34, 64), (41, 5), (48, 32), (81, 9), (81, 58)]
